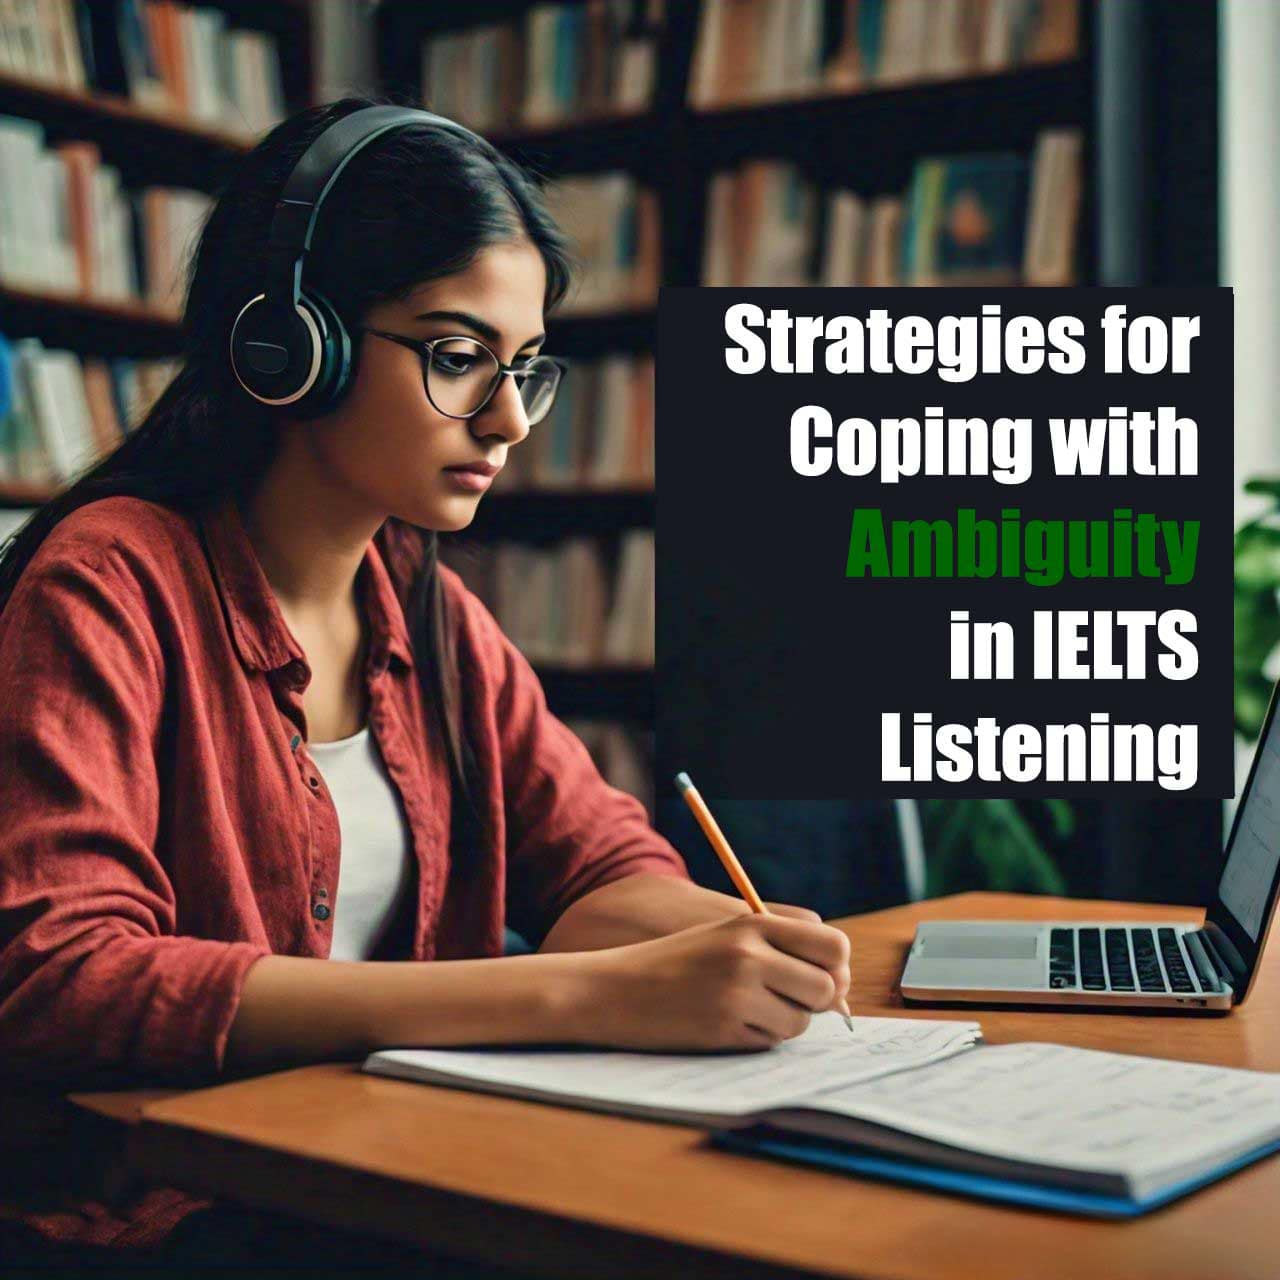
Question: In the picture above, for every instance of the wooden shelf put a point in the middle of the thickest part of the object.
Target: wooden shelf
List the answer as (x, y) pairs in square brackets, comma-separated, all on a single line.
[(631, 140), (93, 325), (977, 82), (609, 124), (877, 135), (150, 147), (90, 102), (126, 310), (621, 126)]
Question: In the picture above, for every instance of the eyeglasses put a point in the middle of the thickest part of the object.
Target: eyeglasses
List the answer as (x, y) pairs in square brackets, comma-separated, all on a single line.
[(461, 374)]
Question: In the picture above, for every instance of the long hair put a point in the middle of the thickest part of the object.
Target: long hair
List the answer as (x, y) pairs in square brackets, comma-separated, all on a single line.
[(418, 204)]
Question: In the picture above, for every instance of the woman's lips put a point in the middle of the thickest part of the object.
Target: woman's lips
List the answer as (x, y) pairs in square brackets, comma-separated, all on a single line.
[(472, 479)]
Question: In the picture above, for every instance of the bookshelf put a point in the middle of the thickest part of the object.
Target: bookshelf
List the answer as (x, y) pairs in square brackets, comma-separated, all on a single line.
[(163, 145), (1142, 91), (869, 138), (88, 326), (147, 144)]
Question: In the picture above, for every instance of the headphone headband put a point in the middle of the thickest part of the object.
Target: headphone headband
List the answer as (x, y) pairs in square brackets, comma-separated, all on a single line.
[(312, 178)]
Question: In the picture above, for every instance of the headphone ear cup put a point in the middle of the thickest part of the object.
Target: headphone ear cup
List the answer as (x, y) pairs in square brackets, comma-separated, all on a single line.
[(276, 354), (334, 373)]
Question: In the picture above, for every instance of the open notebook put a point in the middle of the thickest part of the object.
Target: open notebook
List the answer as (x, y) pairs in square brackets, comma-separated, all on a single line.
[(708, 1090), (920, 1101)]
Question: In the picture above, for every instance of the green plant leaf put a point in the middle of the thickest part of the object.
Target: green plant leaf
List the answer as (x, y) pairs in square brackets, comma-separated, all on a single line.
[(1252, 696), (1257, 556), (1062, 816), (1256, 613)]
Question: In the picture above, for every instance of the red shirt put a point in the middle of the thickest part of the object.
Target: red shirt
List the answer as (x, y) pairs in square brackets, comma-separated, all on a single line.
[(165, 826)]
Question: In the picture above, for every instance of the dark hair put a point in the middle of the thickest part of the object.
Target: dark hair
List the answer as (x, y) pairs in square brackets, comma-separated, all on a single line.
[(415, 205)]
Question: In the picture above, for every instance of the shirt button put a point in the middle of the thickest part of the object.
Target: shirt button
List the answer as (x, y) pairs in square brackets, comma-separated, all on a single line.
[(320, 911), (294, 741), (314, 781)]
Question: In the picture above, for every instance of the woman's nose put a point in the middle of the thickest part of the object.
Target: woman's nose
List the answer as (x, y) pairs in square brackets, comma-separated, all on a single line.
[(504, 415)]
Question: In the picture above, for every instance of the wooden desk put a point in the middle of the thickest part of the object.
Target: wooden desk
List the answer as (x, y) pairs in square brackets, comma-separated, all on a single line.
[(569, 1193)]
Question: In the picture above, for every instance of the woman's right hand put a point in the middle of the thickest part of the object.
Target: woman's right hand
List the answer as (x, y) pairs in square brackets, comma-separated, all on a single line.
[(746, 982)]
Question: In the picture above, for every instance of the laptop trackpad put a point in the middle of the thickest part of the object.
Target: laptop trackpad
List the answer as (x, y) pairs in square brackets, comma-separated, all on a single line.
[(969, 955), (981, 946)]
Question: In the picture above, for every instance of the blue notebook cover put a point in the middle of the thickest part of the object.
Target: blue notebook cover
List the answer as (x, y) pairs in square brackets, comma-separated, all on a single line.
[(761, 1140)]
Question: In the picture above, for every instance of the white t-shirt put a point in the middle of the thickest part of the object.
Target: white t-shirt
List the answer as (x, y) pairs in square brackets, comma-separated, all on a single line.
[(375, 867)]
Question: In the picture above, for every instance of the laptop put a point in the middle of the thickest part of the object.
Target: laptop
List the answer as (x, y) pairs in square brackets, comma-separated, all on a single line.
[(1117, 965)]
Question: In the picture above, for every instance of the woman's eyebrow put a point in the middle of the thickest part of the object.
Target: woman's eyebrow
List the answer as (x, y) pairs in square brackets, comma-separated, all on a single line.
[(482, 327)]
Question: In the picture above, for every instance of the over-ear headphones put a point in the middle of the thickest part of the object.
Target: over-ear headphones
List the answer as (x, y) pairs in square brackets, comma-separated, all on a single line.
[(289, 345)]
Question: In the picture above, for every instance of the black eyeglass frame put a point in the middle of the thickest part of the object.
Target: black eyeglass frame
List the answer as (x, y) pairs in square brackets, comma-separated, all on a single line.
[(424, 348)]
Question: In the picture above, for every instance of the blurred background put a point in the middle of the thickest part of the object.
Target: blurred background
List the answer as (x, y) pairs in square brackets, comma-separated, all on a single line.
[(852, 143)]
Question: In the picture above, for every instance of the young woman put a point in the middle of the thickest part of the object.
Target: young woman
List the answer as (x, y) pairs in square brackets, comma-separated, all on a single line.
[(274, 780)]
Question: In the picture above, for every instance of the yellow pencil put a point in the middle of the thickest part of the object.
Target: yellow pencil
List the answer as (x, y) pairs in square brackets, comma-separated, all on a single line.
[(711, 829)]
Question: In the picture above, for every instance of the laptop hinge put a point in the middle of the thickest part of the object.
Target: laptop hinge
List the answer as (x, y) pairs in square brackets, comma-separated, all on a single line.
[(1225, 958)]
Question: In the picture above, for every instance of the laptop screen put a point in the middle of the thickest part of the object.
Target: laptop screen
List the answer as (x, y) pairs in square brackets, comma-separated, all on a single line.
[(1254, 854)]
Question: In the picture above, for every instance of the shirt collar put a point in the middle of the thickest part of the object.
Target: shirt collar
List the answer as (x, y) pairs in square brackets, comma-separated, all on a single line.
[(261, 636)]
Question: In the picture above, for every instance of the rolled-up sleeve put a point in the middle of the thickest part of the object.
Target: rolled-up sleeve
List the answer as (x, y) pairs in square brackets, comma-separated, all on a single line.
[(95, 983), (568, 830)]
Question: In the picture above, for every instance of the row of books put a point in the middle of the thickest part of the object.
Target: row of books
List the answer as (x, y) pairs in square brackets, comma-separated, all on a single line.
[(67, 223), (614, 224), (599, 433), (569, 604), (762, 50), (165, 56), (63, 412), (563, 62), (622, 753), (992, 218)]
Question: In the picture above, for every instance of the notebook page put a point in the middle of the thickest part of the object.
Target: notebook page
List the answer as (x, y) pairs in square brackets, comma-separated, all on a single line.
[(699, 1085), (1140, 1118)]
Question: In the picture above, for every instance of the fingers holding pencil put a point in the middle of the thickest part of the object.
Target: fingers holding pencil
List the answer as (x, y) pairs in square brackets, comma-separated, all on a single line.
[(789, 912), (822, 949), (736, 872)]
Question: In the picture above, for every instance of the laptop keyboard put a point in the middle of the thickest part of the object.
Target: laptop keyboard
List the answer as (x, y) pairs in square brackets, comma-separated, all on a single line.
[(1122, 959)]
